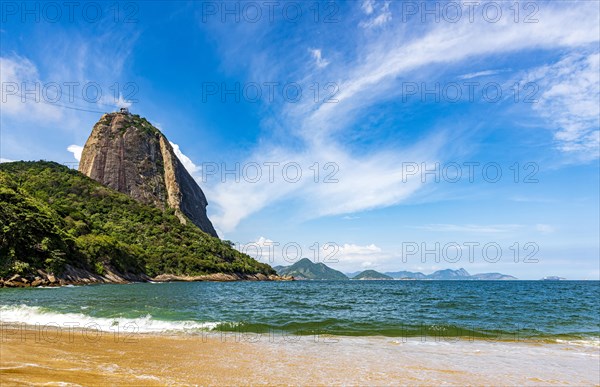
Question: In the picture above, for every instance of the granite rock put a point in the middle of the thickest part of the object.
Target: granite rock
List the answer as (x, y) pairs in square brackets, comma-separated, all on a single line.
[(128, 154)]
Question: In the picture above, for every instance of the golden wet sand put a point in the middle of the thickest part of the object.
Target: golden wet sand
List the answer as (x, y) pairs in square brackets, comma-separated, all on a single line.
[(104, 359)]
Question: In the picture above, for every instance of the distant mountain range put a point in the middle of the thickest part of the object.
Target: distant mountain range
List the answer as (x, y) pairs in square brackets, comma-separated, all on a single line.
[(406, 274), (449, 274), (305, 269)]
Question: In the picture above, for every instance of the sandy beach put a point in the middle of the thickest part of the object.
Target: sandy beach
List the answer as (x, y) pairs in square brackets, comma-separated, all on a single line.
[(46, 356)]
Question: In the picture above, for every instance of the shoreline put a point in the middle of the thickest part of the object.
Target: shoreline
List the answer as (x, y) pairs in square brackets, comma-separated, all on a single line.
[(50, 330), (86, 358), (77, 277)]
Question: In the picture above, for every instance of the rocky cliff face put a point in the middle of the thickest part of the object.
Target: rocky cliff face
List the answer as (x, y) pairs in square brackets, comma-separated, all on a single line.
[(128, 154)]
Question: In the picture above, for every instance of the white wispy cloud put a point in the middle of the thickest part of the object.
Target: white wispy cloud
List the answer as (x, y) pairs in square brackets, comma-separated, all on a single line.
[(569, 95), (471, 228), (388, 58), (361, 183), (499, 229), (479, 74), (379, 13), (368, 6), (17, 73), (373, 178), (527, 199), (545, 228), (60, 66), (317, 55)]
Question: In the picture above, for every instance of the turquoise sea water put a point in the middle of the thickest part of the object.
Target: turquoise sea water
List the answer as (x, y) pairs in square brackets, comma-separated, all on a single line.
[(511, 310)]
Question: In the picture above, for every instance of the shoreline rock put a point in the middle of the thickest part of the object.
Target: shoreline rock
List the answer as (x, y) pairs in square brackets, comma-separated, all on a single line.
[(75, 276), (220, 277)]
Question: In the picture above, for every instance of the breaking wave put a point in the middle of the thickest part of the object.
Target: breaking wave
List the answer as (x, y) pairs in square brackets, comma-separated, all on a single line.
[(35, 315)]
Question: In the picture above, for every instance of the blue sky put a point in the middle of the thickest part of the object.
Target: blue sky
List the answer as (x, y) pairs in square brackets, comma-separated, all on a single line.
[(368, 93)]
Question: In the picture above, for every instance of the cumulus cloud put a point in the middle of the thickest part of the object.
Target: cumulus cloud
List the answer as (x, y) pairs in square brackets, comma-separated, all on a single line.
[(352, 249), (192, 168), (347, 256), (352, 256), (262, 249), (76, 150), (120, 102)]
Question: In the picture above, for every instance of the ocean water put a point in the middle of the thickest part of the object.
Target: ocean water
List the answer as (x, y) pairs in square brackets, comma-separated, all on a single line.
[(544, 311)]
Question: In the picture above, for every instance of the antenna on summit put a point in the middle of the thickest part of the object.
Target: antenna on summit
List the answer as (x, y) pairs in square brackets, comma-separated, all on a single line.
[(124, 110)]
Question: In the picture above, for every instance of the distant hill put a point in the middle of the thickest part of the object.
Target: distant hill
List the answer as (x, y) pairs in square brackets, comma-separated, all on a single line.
[(353, 274), (405, 274), (449, 274), (372, 275), (305, 269)]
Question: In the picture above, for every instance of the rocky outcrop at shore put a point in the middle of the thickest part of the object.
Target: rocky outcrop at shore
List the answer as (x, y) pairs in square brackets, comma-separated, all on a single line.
[(221, 277), (74, 276), (70, 276)]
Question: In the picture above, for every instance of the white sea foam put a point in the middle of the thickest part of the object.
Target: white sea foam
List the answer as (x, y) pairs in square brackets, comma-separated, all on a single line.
[(36, 316), (592, 342)]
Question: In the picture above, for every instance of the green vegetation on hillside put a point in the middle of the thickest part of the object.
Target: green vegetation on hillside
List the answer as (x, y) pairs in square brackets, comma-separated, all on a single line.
[(51, 216), (143, 124)]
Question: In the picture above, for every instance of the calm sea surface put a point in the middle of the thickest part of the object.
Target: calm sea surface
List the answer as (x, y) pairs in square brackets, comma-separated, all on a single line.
[(512, 310)]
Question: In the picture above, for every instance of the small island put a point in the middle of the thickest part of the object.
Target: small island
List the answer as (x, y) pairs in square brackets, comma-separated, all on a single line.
[(553, 278)]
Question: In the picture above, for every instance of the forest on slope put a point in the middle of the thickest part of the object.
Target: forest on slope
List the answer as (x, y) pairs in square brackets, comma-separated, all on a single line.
[(52, 216)]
